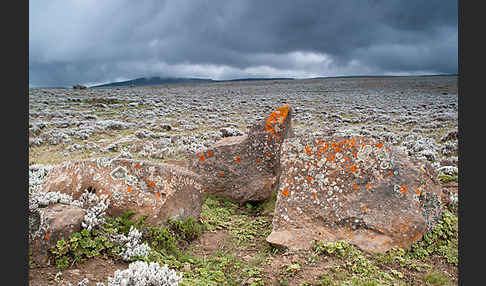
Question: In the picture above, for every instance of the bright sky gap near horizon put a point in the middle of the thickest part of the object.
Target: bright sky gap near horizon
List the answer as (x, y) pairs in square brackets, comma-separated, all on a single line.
[(93, 42)]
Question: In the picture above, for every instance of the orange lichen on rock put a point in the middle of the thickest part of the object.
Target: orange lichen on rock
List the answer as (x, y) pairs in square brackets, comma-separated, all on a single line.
[(403, 189), (278, 116), (285, 192), (151, 184)]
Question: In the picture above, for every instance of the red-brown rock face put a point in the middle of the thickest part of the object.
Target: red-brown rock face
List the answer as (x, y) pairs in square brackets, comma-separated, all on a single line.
[(355, 189), (53, 223), (246, 168), (157, 189)]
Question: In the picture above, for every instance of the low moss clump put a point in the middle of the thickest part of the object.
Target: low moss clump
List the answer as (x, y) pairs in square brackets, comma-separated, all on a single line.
[(244, 223), (447, 178), (357, 268), (436, 278)]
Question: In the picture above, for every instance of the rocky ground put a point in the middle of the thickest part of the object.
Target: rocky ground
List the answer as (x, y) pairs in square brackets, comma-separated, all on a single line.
[(167, 123)]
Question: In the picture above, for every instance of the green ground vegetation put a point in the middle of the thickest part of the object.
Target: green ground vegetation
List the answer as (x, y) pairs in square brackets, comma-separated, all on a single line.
[(430, 261)]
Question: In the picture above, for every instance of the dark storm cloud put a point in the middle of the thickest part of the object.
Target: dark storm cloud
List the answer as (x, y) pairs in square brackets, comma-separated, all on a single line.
[(98, 41)]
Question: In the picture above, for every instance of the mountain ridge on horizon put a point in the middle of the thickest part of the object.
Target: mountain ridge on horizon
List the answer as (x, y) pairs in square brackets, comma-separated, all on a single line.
[(157, 80)]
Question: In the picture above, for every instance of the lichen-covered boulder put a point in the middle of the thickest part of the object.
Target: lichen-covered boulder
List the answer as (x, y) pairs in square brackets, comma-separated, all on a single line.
[(50, 224), (155, 189), (354, 189), (246, 168)]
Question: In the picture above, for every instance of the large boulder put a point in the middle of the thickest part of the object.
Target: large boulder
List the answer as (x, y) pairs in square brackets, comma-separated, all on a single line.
[(154, 189), (354, 189), (246, 168), (50, 224)]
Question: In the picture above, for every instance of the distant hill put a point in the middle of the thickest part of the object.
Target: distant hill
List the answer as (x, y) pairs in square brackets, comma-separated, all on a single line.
[(147, 81), (143, 81)]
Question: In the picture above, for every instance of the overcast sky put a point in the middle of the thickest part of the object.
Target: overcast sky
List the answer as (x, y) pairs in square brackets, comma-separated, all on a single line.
[(90, 41)]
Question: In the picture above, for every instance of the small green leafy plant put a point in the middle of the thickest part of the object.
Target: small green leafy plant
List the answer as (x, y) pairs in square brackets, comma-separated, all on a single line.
[(441, 240), (447, 178), (81, 246)]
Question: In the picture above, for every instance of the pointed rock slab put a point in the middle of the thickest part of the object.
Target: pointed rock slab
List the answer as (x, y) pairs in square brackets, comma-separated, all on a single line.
[(246, 168), (50, 224), (156, 189), (355, 189)]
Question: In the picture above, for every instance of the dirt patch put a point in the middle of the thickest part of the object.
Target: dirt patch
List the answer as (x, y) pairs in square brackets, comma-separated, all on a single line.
[(296, 268), (96, 270), (210, 242)]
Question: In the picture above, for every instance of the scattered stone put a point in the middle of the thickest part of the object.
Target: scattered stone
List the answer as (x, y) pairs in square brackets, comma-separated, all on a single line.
[(450, 135), (112, 124), (78, 86), (357, 189), (166, 127), (228, 132)]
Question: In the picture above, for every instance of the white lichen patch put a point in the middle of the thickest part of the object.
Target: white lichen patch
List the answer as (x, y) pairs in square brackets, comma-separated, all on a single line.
[(103, 162), (119, 172), (142, 273), (131, 180), (132, 247)]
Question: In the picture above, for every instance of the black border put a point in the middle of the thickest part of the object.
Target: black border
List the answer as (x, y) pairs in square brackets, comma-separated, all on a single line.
[(470, 89), (15, 82), (471, 81)]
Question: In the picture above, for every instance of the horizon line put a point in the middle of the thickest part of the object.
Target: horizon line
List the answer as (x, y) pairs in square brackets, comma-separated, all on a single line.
[(250, 79)]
